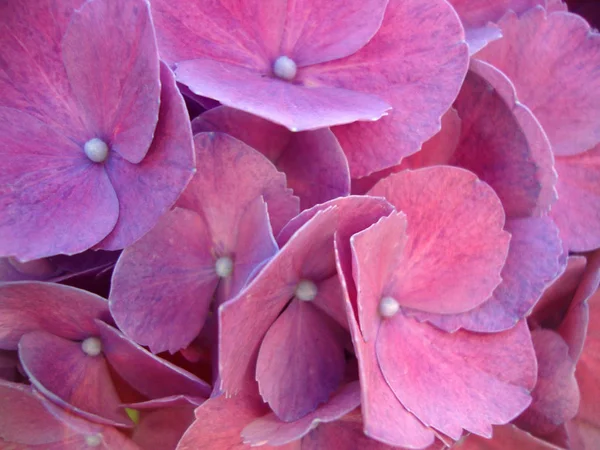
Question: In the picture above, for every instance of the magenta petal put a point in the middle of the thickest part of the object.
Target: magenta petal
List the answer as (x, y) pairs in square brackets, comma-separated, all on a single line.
[(313, 161), (556, 51), (453, 381), (64, 373), (269, 429), (301, 361), (457, 268), (48, 185), (556, 395), (330, 300), (230, 176), (533, 261), (163, 284), (61, 310), (296, 107), (148, 374), (265, 297), (505, 437), (106, 75), (400, 64), (577, 210), (148, 189)]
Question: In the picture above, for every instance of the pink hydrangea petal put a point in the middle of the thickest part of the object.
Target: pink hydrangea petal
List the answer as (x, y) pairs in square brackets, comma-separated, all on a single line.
[(471, 245), (576, 211), (64, 373), (414, 59), (163, 285), (270, 429), (330, 300), (533, 261), (264, 298), (556, 395), (301, 361), (320, 31), (146, 373), (503, 143), (453, 381), (106, 75), (49, 185), (231, 175), (555, 51), (295, 106), (313, 161), (167, 168), (61, 310), (34, 77), (505, 437)]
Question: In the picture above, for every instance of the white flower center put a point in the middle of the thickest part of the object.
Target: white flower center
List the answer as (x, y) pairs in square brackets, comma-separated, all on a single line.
[(96, 150), (92, 346), (224, 266), (388, 307), (306, 290), (285, 68), (93, 440)]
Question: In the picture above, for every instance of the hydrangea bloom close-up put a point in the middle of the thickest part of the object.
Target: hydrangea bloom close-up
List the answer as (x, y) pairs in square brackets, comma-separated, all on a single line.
[(299, 224)]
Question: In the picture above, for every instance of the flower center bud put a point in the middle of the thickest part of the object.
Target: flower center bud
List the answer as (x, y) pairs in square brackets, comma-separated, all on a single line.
[(93, 440), (35, 267), (224, 266), (306, 290), (285, 68), (96, 150), (92, 346), (388, 307)]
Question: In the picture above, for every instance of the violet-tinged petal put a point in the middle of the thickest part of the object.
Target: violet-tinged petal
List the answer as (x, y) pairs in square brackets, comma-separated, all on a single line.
[(453, 381), (577, 211), (231, 175), (264, 298), (406, 65), (503, 143), (65, 373), (313, 161), (48, 185), (505, 437), (163, 284), (271, 430), (532, 263), (546, 56), (109, 51), (556, 395), (330, 300), (148, 189), (295, 106), (61, 310), (146, 373), (455, 229), (301, 361)]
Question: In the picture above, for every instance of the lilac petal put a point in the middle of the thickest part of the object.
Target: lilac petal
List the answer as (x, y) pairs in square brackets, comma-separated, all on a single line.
[(576, 211), (231, 175), (555, 51), (313, 161), (163, 285), (271, 430), (46, 186), (471, 247), (106, 75), (64, 373), (33, 76), (146, 373), (296, 107), (265, 297), (147, 190), (533, 262), (301, 361), (400, 64), (503, 143), (61, 310), (453, 381)]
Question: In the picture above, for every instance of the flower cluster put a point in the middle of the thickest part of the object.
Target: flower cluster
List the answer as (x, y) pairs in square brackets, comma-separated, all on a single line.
[(308, 224)]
